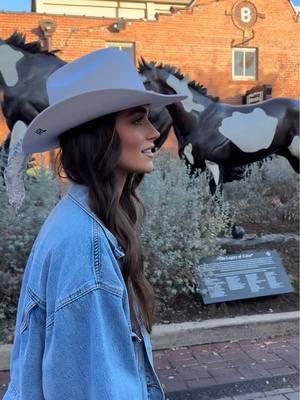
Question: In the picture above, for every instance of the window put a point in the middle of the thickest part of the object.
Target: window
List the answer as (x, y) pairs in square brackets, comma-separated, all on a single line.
[(244, 64), (128, 47)]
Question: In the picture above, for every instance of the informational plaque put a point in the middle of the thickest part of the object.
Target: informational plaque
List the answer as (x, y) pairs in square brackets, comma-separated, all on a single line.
[(242, 276)]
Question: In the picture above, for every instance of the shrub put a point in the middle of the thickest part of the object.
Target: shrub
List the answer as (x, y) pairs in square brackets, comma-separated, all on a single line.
[(18, 232), (270, 192), (181, 227), (182, 224)]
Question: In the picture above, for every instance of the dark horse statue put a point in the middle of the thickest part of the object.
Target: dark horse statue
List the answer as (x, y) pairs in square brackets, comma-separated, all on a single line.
[(213, 134), (24, 70)]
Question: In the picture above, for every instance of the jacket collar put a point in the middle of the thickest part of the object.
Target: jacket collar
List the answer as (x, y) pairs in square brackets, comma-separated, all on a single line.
[(79, 194)]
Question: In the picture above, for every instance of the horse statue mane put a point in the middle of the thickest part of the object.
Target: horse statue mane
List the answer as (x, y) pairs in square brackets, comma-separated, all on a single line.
[(144, 66), (17, 39)]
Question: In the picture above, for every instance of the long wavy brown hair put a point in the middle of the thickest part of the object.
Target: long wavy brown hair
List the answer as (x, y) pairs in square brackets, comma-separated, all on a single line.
[(88, 155)]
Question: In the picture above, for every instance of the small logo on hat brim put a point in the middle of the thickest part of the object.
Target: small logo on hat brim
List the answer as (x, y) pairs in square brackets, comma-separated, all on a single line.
[(40, 131)]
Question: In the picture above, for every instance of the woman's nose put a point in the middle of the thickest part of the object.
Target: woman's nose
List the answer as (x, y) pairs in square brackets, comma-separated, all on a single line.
[(154, 134)]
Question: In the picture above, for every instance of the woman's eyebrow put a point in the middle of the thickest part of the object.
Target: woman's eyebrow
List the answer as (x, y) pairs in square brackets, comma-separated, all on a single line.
[(137, 110)]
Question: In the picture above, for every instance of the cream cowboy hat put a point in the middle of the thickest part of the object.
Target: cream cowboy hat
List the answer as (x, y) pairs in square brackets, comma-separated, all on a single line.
[(96, 84)]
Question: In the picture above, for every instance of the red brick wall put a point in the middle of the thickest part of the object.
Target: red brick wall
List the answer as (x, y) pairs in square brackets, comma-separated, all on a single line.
[(198, 42)]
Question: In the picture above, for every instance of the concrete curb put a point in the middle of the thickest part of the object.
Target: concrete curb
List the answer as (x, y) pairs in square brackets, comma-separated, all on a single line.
[(225, 329), (210, 331), (5, 350)]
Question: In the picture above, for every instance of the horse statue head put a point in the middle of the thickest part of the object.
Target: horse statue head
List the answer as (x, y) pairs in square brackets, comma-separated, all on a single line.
[(168, 79)]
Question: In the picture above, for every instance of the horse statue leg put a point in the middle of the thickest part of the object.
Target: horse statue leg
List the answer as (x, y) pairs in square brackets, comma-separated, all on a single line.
[(292, 153), (217, 174), (217, 171), (16, 166), (294, 149)]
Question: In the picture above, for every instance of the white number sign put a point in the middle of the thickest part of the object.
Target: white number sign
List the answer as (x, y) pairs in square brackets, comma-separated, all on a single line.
[(245, 14)]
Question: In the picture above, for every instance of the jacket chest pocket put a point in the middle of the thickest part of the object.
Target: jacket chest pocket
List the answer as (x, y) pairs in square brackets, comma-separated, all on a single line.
[(33, 314)]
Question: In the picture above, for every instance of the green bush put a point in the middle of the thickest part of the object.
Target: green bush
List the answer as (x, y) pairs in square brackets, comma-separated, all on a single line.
[(270, 192), (182, 224), (18, 232), (181, 227)]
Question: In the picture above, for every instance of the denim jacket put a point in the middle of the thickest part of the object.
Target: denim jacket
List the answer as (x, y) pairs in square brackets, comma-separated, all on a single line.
[(73, 335)]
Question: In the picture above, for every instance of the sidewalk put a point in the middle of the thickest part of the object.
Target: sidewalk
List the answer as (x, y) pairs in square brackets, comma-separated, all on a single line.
[(214, 371), (241, 370)]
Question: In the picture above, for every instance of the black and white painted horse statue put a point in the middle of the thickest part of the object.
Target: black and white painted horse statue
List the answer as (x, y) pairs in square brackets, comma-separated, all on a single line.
[(213, 134), (24, 69)]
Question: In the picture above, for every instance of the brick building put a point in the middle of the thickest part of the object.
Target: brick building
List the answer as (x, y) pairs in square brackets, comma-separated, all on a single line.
[(228, 46)]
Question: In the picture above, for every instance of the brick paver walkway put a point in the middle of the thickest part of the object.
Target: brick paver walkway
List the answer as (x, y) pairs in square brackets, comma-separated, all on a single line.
[(209, 365), (237, 368)]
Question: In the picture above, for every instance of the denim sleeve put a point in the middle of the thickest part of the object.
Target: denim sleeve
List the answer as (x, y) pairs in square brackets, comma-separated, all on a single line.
[(89, 351), (28, 349)]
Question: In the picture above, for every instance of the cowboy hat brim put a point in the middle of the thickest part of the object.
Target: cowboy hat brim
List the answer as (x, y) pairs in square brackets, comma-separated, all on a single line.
[(42, 133)]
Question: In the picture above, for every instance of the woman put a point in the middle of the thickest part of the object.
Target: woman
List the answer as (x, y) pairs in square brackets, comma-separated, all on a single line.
[(86, 310)]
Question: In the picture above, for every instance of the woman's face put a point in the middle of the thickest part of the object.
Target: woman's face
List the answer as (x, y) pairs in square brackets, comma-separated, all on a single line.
[(137, 136)]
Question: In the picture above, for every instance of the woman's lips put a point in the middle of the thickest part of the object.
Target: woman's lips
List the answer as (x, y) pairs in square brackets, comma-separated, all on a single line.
[(148, 154)]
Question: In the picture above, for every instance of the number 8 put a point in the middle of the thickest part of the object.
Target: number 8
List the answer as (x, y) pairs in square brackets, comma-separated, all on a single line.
[(245, 14)]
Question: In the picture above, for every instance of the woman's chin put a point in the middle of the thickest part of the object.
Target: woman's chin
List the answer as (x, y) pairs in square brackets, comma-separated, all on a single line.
[(139, 169), (145, 168), (149, 169)]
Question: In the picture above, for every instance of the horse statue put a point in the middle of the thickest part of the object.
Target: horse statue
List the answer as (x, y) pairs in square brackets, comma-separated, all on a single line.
[(24, 70), (213, 134)]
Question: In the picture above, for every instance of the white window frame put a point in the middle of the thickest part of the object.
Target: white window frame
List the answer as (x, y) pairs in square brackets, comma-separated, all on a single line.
[(121, 46), (245, 77)]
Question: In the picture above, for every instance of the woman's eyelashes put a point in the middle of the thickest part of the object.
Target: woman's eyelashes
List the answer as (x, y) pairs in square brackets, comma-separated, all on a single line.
[(140, 120)]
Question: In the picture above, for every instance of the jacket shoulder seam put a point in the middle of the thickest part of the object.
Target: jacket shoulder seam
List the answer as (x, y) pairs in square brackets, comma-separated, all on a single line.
[(36, 298), (81, 292)]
